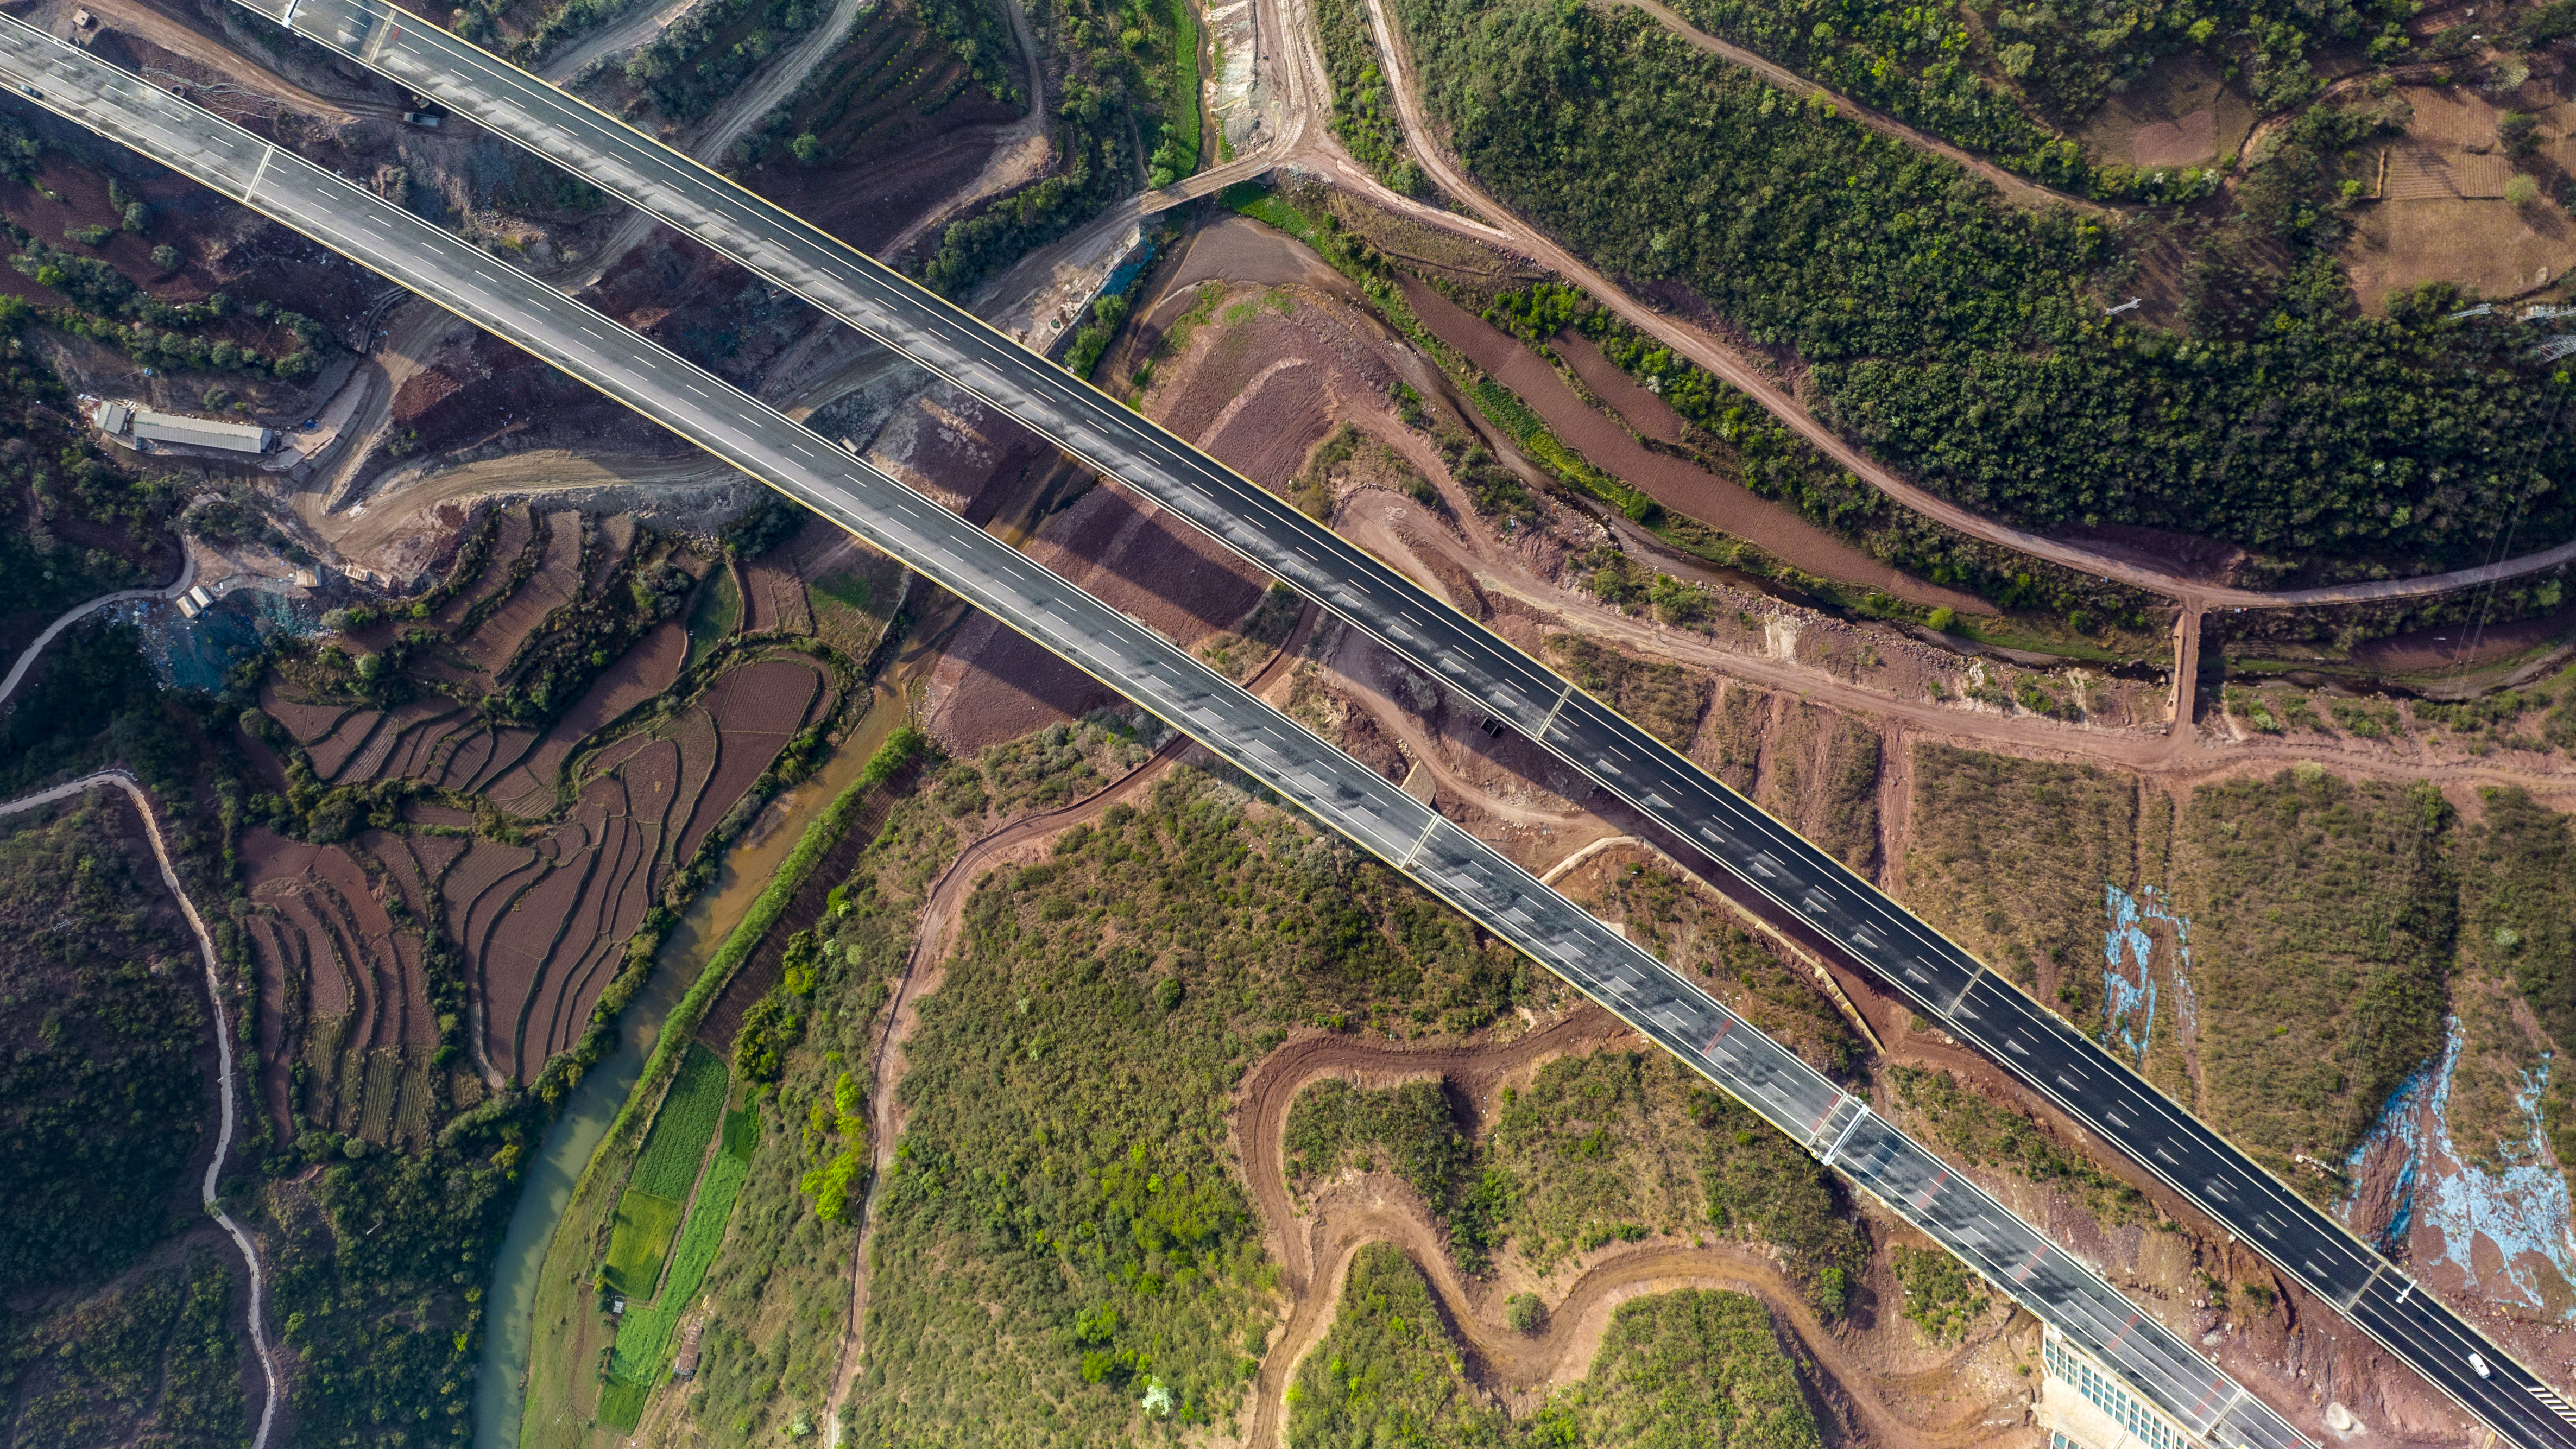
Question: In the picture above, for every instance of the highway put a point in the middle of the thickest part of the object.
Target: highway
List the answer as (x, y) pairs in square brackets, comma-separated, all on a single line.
[(1761, 855), (1335, 790)]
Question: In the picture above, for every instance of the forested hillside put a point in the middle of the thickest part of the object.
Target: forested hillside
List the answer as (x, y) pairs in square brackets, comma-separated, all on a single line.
[(1966, 342)]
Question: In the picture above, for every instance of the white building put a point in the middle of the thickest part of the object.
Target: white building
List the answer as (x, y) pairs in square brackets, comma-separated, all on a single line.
[(136, 426), (2085, 1406)]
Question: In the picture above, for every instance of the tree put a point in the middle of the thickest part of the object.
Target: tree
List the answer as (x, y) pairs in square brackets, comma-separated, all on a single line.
[(1524, 1312), (2522, 191), (2520, 132)]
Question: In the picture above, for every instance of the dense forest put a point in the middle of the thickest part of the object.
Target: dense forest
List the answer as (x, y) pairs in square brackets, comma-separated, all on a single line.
[(154, 1359), (1966, 342), (1996, 82), (101, 1095)]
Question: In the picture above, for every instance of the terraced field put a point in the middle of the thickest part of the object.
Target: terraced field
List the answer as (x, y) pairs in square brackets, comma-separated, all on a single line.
[(475, 861)]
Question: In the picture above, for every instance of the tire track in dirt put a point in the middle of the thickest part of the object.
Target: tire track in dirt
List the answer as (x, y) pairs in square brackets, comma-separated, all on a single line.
[(1316, 1248)]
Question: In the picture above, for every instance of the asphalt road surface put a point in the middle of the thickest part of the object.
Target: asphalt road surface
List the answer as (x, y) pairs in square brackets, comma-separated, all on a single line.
[(1762, 855), (1149, 670)]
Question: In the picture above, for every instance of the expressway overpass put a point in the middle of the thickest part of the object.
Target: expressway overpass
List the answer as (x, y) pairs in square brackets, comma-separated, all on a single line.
[(1756, 857), (1146, 668)]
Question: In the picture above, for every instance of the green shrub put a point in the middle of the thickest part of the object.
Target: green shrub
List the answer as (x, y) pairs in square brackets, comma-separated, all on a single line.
[(1941, 1295), (1386, 1372), (1696, 1367)]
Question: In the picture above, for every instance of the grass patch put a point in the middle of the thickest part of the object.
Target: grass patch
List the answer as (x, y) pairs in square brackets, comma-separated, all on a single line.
[(1387, 1372), (2009, 859), (741, 1133), (1184, 122), (639, 1241), (677, 1145), (1696, 1367), (1941, 1295), (2518, 923), (645, 1335), (1986, 1135), (1252, 199), (714, 617), (621, 1405), (849, 590), (2323, 918)]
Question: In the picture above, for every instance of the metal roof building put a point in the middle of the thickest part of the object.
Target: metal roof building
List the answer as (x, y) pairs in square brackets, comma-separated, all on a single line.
[(201, 432)]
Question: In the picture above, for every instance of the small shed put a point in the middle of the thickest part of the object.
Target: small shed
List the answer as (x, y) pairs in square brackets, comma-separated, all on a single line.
[(685, 1364)]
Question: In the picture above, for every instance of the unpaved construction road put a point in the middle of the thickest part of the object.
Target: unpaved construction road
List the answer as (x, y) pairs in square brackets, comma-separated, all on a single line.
[(1317, 1244)]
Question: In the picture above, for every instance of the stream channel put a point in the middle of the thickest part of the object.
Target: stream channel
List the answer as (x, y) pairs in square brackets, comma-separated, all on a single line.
[(575, 1134)]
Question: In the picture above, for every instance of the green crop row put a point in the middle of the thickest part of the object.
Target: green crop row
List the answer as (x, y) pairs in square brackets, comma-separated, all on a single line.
[(678, 1143), (640, 1241), (644, 1335)]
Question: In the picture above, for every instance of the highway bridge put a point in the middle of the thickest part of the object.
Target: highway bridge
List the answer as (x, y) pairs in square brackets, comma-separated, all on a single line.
[(1757, 857), (1148, 669)]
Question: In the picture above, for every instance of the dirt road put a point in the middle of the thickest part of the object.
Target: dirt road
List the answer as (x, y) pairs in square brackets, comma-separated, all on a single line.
[(36, 647), (1317, 1246), (2181, 754), (225, 1086)]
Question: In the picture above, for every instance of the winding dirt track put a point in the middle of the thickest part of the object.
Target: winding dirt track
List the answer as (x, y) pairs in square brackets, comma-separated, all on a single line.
[(224, 1085), (1317, 1247)]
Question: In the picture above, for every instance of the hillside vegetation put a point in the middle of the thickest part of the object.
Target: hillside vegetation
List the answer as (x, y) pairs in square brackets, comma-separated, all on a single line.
[(2003, 81), (1696, 1367), (102, 1098), (2323, 922), (1965, 342), (2307, 934), (152, 1360), (1065, 1155)]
